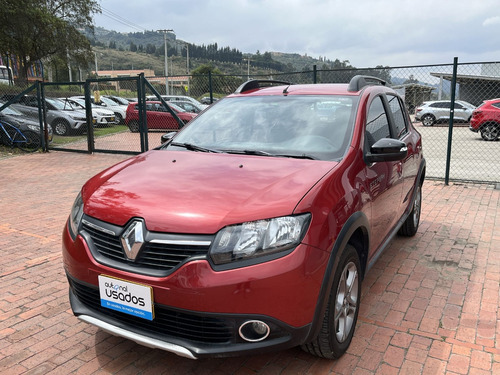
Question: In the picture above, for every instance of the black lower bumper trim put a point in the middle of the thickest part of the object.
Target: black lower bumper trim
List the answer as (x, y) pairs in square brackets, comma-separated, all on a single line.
[(190, 334)]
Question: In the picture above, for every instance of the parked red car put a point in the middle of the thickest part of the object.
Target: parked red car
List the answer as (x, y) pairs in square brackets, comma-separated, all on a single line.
[(486, 120), (158, 117), (253, 227)]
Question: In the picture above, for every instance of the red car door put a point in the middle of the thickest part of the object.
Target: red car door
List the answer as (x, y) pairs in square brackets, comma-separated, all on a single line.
[(384, 180)]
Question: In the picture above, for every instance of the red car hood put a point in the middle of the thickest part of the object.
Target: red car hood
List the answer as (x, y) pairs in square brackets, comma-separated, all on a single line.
[(194, 192)]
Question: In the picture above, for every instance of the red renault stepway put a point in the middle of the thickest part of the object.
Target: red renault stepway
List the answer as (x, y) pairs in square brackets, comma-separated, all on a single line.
[(252, 228)]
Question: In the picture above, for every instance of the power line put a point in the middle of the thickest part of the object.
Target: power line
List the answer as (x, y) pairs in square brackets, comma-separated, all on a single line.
[(120, 19)]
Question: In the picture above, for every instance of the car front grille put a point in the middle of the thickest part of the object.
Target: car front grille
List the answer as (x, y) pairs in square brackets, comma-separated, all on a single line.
[(160, 254), (169, 322)]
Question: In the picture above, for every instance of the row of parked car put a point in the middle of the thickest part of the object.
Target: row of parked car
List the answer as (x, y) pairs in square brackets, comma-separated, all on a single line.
[(484, 119), (67, 116)]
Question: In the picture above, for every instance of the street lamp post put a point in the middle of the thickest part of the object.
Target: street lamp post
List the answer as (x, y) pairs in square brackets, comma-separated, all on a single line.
[(248, 67), (165, 31), (187, 66), (96, 71)]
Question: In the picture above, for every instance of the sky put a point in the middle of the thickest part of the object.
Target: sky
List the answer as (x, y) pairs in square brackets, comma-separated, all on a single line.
[(367, 33)]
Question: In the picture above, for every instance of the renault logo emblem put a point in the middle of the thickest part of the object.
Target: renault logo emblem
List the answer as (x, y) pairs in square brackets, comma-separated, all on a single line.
[(132, 239)]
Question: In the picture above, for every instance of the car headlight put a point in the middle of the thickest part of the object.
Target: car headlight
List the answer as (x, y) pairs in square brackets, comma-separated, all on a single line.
[(78, 117), (35, 128), (76, 216), (258, 238)]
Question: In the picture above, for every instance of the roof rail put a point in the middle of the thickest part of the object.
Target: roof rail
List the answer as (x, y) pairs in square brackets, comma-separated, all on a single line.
[(258, 83), (359, 81)]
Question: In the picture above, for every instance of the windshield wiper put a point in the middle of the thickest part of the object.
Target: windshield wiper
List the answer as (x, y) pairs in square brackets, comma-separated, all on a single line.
[(249, 152), (264, 153), (192, 147), (302, 156)]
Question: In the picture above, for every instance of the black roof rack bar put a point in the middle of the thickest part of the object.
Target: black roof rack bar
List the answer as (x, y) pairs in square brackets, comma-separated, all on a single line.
[(359, 81), (257, 83)]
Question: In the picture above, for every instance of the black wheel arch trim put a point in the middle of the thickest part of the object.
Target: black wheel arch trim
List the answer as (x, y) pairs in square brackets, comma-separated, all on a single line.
[(420, 180), (356, 221)]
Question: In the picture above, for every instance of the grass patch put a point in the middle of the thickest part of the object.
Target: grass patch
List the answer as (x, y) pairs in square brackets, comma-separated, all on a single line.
[(98, 132), (7, 151)]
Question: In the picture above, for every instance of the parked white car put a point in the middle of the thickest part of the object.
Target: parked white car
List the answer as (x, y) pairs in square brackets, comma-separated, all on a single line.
[(438, 111), (101, 116), (106, 103)]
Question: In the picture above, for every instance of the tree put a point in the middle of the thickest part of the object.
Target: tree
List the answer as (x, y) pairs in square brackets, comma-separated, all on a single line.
[(33, 30), (411, 79)]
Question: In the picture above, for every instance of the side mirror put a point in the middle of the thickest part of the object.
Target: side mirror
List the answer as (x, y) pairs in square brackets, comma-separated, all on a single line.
[(387, 149), (167, 137)]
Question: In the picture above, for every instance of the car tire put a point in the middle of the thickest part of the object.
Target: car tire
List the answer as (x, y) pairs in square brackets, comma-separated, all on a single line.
[(133, 126), (118, 118), (490, 132), (410, 226), (60, 127), (342, 310), (428, 120)]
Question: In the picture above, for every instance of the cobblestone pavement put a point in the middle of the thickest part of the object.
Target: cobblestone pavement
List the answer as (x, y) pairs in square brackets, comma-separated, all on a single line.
[(430, 304)]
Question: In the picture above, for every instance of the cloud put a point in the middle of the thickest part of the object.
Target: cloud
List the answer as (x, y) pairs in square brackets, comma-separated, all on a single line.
[(365, 32), (491, 21)]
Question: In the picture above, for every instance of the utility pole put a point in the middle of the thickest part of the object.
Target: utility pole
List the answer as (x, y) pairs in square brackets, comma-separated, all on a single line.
[(69, 67), (248, 67), (165, 31)]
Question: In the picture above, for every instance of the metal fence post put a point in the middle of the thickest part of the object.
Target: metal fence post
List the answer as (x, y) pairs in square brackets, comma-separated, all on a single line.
[(450, 124), (43, 127), (42, 109), (89, 117), (210, 89), (141, 103), (315, 74)]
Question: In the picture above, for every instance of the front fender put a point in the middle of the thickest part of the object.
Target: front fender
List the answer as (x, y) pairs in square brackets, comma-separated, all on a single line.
[(356, 222)]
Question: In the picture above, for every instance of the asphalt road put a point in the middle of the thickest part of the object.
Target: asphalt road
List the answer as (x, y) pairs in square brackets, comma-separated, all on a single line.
[(472, 158)]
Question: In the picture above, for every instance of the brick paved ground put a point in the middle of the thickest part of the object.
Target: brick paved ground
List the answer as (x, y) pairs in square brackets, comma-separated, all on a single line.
[(430, 305)]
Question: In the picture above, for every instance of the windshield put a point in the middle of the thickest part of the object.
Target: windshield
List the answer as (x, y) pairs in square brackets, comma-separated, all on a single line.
[(108, 102), (176, 107), (119, 100), (316, 127), (59, 104), (10, 111)]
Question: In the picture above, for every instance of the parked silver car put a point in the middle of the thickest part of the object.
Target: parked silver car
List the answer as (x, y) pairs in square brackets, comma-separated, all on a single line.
[(183, 98), (188, 106), (61, 116), (438, 111)]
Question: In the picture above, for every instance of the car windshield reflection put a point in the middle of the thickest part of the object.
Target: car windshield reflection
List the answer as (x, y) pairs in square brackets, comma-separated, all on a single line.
[(314, 127)]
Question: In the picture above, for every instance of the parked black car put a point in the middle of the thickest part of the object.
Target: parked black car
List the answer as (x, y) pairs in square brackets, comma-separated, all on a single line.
[(14, 117)]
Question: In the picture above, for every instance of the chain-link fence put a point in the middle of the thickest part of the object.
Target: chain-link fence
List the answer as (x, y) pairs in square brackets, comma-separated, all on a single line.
[(457, 152), (466, 151)]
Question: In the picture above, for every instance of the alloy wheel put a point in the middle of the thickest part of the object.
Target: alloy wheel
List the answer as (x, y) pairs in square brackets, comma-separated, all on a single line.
[(346, 302)]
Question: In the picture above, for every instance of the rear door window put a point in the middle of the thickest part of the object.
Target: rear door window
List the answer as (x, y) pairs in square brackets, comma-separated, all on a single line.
[(398, 115)]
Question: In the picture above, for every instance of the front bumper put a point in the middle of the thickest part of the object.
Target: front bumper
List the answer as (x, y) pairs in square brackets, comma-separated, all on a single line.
[(78, 124), (185, 333), (106, 120), (473, 129), (200, 309)]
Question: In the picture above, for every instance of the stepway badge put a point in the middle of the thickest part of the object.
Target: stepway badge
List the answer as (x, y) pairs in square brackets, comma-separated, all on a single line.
[(129, 298)]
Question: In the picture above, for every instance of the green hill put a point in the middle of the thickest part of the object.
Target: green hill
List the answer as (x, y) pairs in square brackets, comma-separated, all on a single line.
[(145, 50)]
